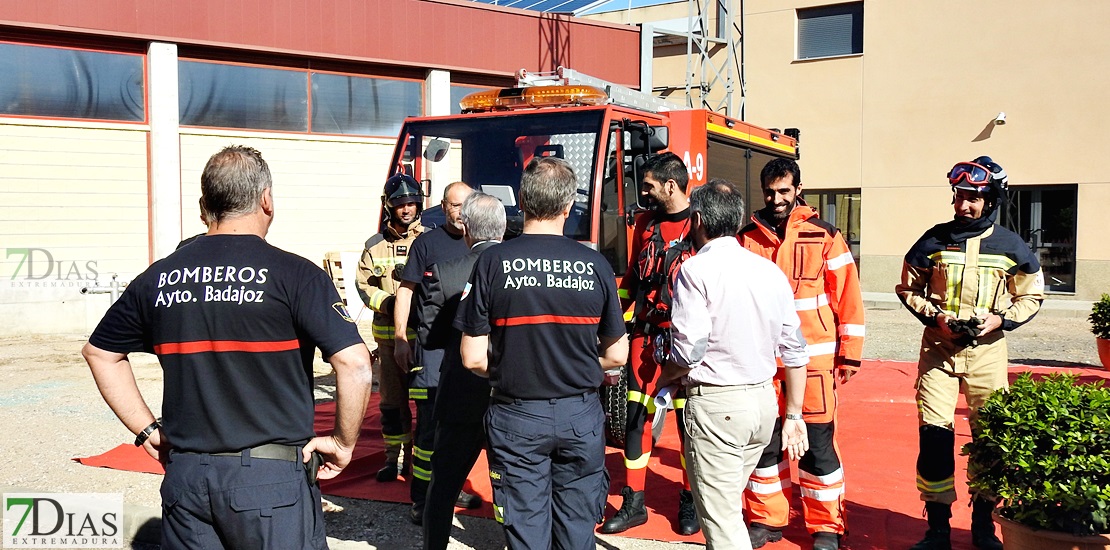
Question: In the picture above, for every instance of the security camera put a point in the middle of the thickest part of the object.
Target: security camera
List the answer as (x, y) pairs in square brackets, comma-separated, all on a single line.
[(1000, 119)]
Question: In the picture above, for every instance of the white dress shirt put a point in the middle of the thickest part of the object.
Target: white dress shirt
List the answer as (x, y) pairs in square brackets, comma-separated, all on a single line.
[(733, 315)]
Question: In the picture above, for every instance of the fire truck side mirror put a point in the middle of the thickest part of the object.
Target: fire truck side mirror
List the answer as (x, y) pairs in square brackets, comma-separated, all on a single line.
[(658, 139), (641, 139), (436, 150)]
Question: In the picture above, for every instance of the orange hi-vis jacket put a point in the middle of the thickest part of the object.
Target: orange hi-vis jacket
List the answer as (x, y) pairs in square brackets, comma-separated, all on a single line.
[(823, 274), (820, 267)]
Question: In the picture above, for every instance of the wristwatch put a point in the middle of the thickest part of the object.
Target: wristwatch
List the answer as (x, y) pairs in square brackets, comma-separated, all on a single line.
[(145, 434), (794, 416)]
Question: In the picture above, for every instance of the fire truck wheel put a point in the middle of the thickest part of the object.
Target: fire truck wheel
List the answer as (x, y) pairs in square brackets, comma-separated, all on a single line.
[(614, 399)]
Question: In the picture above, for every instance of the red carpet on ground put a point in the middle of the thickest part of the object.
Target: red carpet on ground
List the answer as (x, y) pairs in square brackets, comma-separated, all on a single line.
[(877, 439)]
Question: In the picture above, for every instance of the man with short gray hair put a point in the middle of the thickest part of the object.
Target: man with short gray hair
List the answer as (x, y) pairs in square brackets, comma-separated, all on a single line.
[(733, 314), (234, 322), (462, 397), (541, 319)]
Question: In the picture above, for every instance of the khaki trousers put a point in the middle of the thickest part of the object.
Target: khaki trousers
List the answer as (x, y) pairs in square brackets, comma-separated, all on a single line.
[(945, 370), (727, 428)]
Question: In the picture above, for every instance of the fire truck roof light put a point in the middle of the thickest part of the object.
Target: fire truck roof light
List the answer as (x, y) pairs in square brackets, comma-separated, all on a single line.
[(536, 96)]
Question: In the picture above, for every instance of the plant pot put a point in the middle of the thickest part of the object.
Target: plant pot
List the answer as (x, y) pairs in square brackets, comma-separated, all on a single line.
[(1016, 536), (1104, 352)]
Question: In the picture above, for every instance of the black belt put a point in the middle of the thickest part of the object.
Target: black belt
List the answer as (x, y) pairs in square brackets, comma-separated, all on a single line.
[(502, 397), (272, 451)]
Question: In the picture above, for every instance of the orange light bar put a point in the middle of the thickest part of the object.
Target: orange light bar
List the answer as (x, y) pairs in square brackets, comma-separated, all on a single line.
[(536, 96)]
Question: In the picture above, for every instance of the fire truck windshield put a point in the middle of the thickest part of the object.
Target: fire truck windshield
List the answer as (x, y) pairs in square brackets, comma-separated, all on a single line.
[(490, 152)]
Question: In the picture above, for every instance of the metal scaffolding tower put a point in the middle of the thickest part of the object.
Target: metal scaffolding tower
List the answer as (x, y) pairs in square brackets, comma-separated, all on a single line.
[(714, 57)]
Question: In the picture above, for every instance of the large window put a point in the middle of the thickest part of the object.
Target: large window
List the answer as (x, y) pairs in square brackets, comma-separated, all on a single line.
[(830, 31), (1045, 217), (344, 104), (269, 98), (68, 83), (235, 96), (840, 207)]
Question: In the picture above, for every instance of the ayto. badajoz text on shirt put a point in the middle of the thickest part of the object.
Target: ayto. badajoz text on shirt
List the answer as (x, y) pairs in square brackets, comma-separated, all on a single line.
[(544, 272), (224, 283)]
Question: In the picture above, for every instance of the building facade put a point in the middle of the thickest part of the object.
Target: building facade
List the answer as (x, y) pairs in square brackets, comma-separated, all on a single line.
[(890, 94), (109, 110)]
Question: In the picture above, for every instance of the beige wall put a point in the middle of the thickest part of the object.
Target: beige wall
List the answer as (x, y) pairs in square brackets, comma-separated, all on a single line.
[(924, 95), (79, 195), (327, 193)]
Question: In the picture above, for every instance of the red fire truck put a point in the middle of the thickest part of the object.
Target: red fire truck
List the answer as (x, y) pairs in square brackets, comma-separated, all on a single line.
[(605, 132)]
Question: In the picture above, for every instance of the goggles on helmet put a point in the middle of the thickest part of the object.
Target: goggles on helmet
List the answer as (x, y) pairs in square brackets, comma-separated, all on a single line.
[(969, 175)]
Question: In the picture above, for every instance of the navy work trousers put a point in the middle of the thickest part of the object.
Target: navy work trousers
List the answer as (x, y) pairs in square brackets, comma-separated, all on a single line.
[(239, 502), (457, 447), (547, 468)]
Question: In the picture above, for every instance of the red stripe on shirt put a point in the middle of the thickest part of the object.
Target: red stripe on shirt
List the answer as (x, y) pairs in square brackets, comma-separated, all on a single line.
[(202, 346), (544, 319)]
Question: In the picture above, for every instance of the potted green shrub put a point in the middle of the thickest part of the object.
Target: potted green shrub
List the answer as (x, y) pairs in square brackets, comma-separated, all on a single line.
[(1100, 326), (1043, 447)]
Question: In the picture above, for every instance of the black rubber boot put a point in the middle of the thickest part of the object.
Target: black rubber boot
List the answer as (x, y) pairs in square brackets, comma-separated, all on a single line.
[(826, 541), (760, 535), (939, 535), (388, 473), (631, 514), (687, 514), (982, 525)]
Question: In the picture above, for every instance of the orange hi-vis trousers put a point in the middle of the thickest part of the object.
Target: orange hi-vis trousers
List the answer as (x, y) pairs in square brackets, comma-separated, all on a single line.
[(820, 473), (643, 373)]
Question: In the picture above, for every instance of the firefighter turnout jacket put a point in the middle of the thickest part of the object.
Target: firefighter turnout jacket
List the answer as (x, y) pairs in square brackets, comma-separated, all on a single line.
[(994, 272), (379, 275), (965, 275)]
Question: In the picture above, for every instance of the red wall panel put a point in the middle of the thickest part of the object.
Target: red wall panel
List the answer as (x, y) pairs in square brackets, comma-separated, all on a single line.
[(449, 34)]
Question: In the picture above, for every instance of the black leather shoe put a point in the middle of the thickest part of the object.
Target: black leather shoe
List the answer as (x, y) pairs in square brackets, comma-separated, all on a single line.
[(687, 514), (468, 501), (760, 535), (826, 541), (631, 514), (416, 514), (388, 473)]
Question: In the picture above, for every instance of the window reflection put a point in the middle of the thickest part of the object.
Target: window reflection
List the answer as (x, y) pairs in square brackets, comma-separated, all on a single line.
[(343, 104), (235, 96), (66, 83)]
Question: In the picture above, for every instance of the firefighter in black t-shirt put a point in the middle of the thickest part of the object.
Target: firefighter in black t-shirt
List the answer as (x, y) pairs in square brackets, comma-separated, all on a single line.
[(234, 323), (546, 308)]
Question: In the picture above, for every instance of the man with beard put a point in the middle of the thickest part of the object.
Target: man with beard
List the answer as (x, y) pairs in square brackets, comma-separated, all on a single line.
[(967, 280), (823, 276), (438, 245), (659, 245), (379, 277)]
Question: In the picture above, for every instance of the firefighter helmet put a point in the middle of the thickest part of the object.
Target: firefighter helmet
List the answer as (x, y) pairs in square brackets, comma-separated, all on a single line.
[(401, 189), (981, 175)]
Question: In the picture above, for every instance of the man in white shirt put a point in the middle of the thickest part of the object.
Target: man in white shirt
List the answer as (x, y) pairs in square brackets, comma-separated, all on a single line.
[(733, 315)]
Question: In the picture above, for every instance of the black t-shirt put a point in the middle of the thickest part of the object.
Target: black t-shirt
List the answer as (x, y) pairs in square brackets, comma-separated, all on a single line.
[(435, 246), (544, 300), (234, 322), (430, 248)]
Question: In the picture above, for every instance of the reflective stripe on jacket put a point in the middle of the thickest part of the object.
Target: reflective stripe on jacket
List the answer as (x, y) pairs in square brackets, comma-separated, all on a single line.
[(1004, 278), (382, 254), (823, 275)]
